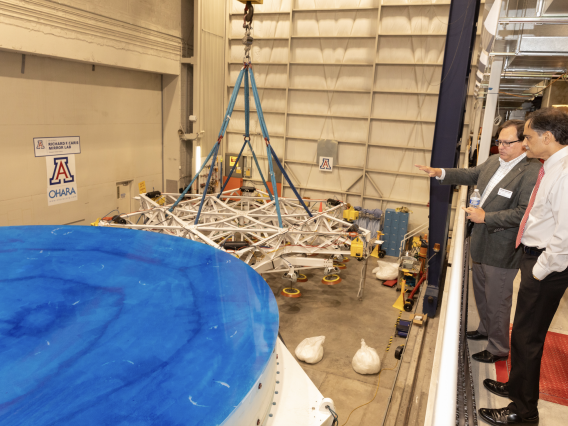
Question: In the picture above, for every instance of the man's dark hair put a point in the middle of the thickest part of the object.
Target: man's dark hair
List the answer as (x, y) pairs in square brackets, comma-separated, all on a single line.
[(550, 120), (518, 124)]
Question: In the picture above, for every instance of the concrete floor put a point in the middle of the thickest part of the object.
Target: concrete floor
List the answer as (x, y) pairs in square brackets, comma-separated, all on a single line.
[(550, 414), (335, 312)]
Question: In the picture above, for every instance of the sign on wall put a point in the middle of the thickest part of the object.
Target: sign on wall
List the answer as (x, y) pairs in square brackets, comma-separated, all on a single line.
[(65, 145), (326, 164), (61, 179)]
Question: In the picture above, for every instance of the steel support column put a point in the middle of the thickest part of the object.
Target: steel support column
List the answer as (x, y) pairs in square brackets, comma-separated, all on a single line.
[(476, 125), (490, 110), (460, 40)]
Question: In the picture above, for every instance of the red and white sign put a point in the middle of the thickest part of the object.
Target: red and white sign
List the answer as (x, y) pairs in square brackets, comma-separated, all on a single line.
[(61, 179), (326, 164)]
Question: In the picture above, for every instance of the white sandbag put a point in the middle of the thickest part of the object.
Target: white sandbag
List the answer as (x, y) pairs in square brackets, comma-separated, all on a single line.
[(387, 271), (366, 360), (310, 350)]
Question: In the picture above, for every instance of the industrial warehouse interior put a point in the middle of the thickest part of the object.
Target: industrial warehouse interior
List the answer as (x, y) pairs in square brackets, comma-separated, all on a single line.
[(283, 212)]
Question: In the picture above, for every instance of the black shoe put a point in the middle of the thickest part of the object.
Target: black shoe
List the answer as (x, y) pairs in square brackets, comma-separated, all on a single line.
[(475, 335), (503, 416), (488, 357), (498, 388)]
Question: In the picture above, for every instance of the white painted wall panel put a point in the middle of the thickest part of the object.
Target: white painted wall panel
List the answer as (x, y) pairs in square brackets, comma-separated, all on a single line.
[(302, 150), (336, 24), (396, 159), (399, 133), (351, 154), (409, 187), (405, 106), (334, 4), (336, 50), (334, 103), (415, 20), (117, 114), (345, 129), (411, 50), (334, 77), (404, 78)]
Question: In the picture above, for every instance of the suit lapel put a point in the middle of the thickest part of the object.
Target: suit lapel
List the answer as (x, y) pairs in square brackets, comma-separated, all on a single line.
[(485, 177), (509, 177)]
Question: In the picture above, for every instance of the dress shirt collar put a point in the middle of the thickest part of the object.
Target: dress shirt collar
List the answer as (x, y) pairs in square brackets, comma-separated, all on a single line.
[(513, 162), (555, 158)]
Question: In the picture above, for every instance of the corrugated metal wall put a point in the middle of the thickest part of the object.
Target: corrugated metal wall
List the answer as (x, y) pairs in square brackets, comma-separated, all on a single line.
[(363, 72)]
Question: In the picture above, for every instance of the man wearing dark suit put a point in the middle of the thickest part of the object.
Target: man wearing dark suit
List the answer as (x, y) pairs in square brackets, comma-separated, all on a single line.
[(543, 238), (505, 182)]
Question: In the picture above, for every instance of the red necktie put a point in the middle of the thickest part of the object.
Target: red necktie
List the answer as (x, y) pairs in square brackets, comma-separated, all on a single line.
[(529, 207)]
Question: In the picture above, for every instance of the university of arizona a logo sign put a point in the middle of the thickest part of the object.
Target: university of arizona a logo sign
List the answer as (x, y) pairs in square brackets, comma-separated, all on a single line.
[(61, 179), (61, 172), (40, 145), (326, 164)]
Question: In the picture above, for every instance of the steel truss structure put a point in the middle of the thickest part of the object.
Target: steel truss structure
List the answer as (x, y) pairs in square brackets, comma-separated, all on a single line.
[(253, 220)]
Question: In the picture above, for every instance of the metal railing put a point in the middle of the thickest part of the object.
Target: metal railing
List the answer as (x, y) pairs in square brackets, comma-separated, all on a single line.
[(441, 409), (411, 234)]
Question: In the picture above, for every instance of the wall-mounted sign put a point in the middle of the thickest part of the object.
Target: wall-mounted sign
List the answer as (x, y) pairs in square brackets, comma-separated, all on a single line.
[(61, 180), (326, 164), (232, 161), (44, 147), (142, 187)]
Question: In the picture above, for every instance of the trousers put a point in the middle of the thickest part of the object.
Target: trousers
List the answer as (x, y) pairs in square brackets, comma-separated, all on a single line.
[(537, 303), (493, 291)]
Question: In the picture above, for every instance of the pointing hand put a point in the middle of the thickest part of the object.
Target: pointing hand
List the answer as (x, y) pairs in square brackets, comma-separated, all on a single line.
[(432, 172)]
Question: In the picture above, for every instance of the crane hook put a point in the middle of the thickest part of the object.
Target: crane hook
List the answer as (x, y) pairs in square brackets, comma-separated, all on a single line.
[(249, 14)]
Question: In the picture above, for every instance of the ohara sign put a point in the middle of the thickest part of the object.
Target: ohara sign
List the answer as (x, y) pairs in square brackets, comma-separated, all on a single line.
[(61, 180)]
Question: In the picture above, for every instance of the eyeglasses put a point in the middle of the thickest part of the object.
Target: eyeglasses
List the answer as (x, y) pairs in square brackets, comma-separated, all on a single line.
[(506, 144)]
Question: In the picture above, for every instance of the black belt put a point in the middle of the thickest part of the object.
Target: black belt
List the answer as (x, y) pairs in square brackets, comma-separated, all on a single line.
[(533, 251)]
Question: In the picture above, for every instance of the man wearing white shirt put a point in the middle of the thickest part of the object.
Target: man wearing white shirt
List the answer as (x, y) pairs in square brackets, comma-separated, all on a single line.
[(505, 182), (543, 237)]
